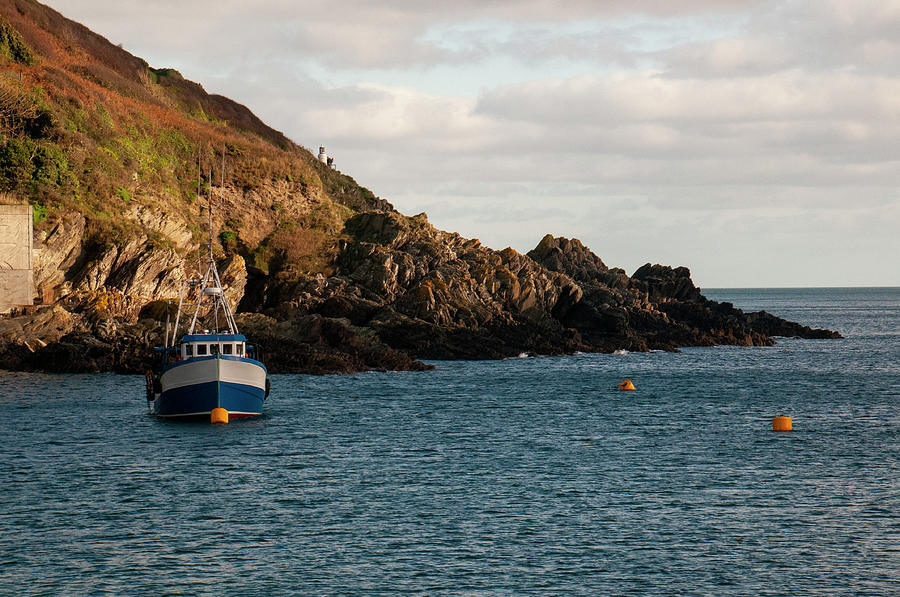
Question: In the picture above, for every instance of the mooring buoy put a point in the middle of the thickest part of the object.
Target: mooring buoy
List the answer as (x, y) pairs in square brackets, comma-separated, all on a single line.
[(782, 423), (218, 415)]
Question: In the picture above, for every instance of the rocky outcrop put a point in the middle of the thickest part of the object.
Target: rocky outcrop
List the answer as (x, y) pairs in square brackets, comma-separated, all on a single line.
[(657, 307), (437, 295), (401, 289), (316, 344), (770, 325), (576, 260), (233, 275), (157, 219), (65, 264), (662, 283), (151, 273), (59, 250), (86, 341)]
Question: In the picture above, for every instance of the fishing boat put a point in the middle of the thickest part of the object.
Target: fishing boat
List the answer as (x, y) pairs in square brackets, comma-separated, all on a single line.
[(212, 372)]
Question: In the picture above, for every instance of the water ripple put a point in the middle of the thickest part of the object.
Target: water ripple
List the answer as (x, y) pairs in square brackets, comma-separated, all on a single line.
[(521, 477)]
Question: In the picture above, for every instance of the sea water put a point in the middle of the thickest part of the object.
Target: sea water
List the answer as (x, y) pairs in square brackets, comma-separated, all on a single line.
[(530, 476)]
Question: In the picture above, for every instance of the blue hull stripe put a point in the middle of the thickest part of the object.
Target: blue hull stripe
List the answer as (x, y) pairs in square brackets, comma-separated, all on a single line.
[(202, 398)]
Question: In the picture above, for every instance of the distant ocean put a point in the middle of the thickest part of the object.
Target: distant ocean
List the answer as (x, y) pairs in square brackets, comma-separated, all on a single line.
[(530, 476)]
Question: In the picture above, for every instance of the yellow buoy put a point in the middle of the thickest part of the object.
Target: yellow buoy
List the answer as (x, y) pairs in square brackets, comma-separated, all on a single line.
[(626, 385), (781, 424), (218, 415)]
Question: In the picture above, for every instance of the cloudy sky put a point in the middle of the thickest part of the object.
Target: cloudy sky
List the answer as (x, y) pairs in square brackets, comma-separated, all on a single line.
[(756, 142)]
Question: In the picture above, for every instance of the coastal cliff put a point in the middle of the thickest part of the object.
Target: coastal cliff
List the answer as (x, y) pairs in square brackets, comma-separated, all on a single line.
[(323, 273), (400, 290)]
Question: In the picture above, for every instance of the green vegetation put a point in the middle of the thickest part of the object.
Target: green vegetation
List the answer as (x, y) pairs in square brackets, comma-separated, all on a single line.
[(161, 73), (199, 113), (105, 230), (159, 242), (104, 118), (38, 171), (12, 46), (38, 213), (90, 129), (51, 166), (329, 217), (16, 165), (230, 241), (302, 247)]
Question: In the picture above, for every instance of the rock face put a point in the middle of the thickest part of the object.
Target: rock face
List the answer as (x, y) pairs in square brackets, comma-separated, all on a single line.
[(401, 290), (316, 344), (65, 265), (86, 341), (437, 295), (59, 251), (658, 307)]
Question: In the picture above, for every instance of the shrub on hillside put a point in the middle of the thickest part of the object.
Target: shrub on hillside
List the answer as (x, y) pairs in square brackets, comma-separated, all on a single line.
[(12, 46), (16, 165), (51, 166), (24, 112)]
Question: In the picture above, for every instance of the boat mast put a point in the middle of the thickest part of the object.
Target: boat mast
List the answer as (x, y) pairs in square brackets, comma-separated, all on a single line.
[(220, 297), (211, 263), (211, 285)]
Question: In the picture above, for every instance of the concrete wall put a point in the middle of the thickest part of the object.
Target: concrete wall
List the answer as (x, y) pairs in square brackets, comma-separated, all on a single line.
[(16, 276)]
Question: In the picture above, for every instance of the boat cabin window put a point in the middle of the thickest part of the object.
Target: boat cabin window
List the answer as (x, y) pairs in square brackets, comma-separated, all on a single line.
[(236, 348)]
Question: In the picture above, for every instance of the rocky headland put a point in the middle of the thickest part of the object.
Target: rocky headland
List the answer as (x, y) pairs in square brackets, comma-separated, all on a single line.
[(324, 275), (400, 290)]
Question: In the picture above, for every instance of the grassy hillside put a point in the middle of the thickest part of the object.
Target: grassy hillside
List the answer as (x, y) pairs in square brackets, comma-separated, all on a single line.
[(86, 127)]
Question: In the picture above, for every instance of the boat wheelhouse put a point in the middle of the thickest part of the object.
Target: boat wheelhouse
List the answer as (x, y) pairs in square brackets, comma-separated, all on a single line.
[(201, 345)]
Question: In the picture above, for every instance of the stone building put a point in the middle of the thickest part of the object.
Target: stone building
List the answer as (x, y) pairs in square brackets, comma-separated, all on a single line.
[(16, 262)]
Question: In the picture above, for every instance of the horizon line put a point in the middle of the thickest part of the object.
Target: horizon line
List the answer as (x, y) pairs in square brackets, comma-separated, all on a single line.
[(797, 287)]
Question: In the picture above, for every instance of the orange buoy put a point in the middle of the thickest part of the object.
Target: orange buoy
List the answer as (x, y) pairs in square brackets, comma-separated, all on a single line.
[(218, 415), (626, 385), (782, 424)]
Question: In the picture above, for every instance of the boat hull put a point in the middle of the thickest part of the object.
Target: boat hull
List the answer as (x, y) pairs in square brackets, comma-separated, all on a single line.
[(192, 388)]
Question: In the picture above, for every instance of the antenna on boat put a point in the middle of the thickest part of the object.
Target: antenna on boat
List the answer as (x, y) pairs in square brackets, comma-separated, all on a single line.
[(212, 263), (209, 208), (210, 286), (168, 315), (190, 283)]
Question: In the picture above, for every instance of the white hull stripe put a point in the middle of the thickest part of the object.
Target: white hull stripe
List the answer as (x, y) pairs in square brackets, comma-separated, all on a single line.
[(211, 370)]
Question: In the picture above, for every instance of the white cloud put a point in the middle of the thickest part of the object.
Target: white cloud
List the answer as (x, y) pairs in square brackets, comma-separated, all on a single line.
[(720, 135), (641, 97)]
